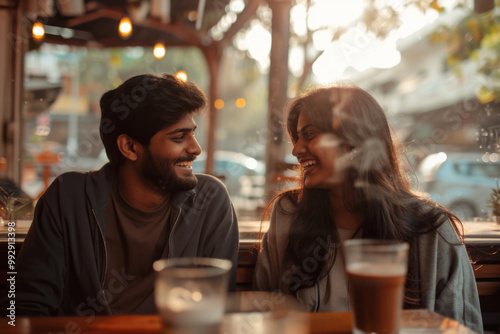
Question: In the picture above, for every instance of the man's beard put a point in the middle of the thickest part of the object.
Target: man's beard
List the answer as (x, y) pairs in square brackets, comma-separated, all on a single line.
[(161, 173)]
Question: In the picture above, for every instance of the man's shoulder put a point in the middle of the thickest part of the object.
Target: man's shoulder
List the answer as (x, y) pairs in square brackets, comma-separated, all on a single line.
[(212, 188), (67, 187), (76, 181), (209, 180), (70, 179)]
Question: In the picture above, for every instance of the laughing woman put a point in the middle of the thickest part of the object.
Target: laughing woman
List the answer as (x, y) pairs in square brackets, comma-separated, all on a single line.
[(352, 186)]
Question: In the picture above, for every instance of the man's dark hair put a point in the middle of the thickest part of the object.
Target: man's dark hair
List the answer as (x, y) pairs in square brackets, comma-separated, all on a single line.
[(144, 105)]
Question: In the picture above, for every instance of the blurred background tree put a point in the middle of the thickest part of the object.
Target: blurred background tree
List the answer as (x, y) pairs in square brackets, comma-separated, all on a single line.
[(476, 39)]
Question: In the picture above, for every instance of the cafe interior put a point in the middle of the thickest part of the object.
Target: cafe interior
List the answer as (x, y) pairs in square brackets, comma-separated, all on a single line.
[(49, 114)]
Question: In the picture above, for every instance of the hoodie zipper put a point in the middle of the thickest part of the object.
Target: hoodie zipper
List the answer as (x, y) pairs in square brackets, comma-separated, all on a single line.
[(172, 231), (103, 275)]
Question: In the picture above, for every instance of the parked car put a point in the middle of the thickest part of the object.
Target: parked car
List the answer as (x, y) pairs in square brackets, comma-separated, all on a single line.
[(462, 182), (243, 176)]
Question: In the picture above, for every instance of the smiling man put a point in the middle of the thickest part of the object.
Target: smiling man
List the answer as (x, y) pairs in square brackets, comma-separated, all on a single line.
[(95, 235)]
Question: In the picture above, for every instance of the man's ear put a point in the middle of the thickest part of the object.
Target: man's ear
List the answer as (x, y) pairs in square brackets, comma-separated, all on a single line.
[(128, 147)]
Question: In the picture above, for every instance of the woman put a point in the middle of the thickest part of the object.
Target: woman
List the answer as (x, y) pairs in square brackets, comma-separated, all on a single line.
[(352, 186)]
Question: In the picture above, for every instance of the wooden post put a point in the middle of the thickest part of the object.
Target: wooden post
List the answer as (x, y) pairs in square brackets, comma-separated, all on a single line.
[(212, 57), (13, 42), (278, 87), (6, 54)]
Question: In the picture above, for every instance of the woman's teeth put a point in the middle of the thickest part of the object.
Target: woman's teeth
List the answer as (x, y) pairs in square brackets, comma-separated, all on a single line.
[(308, 164)]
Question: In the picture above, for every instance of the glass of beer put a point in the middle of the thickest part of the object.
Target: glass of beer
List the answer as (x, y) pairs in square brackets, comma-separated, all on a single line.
[(376, 271), (190, 293)]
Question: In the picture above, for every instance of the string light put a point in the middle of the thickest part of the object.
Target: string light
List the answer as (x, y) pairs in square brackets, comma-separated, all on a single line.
[(241, 102), (182, 75), (219, 103), (159, 50), (125, 27), (38, 31)]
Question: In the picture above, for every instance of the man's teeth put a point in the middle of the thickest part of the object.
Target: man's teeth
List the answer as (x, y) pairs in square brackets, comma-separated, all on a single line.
[(185, 164), (308, 164)]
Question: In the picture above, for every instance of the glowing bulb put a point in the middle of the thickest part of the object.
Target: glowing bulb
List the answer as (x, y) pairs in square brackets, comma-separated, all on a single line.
[(159, 51), (38, 31), (192, 15), (240, 103), (125, 27), (182, 75), (219, 103)]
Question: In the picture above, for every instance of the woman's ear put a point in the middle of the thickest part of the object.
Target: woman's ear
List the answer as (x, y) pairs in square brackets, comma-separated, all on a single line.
[(128, 147)]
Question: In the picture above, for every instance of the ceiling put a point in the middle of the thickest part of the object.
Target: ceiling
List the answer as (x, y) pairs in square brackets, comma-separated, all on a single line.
[(95, 22)]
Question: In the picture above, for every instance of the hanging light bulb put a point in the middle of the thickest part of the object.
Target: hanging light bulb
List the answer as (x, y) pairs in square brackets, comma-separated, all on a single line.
[(38, 31), (159, 50), (125, 27)]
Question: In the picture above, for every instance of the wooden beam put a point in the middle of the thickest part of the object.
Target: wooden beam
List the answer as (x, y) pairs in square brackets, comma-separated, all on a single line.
[(278, 88), (108, 13), (21, 45), (213, 58), (213, 52), (185, 32)]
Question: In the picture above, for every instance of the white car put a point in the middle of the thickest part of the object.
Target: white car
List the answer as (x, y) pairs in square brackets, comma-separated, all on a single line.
[(243, 176), (462, 182)]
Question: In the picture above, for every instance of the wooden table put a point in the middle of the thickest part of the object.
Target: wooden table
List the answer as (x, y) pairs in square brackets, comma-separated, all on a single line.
[(412, 321)]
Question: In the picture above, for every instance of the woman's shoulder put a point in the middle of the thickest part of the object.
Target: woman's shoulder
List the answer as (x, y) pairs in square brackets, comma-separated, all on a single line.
[(422, 213), (286, 202), (433, 221), (282, 213)]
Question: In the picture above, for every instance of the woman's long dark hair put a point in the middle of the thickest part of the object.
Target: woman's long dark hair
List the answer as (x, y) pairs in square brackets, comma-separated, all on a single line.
[(374, 184)]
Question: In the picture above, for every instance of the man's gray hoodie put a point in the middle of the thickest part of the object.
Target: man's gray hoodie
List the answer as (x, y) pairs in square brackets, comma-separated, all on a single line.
[(61, 266)]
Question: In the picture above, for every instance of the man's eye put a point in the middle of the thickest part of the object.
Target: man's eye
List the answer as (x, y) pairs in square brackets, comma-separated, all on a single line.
[(182, 137), (179, 138)]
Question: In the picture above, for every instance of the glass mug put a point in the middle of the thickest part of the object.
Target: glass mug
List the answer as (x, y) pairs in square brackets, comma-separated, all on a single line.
[(376, 271)]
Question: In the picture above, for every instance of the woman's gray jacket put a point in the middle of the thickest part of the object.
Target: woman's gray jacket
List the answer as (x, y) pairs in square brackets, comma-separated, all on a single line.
[(445, 284)]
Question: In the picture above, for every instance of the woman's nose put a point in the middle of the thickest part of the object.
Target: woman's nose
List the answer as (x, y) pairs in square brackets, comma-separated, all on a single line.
[(298, 148)]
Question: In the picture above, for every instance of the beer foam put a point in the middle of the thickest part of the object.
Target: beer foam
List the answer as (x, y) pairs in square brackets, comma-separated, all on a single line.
[(376, 269)]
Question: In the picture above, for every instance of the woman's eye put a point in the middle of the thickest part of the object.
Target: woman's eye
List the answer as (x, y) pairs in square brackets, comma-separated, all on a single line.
[(309, 134)]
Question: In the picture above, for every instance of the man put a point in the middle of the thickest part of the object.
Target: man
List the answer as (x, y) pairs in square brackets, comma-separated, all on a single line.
[(95, 235)]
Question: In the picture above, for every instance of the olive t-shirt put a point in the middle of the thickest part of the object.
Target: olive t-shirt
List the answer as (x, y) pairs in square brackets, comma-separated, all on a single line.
[(134, 240)]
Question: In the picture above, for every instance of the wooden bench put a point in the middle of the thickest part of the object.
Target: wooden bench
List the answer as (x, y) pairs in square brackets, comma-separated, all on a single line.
[(247, 257), (485, 258)]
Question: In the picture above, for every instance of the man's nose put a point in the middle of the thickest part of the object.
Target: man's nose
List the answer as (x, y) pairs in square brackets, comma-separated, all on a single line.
[(194, 147)]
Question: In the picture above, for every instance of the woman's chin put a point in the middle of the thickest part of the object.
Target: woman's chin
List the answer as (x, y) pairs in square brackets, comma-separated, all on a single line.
[(311, 183), (332, 183)]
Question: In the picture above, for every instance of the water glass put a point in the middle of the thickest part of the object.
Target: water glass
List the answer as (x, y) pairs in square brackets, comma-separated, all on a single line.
[(190, 293)]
